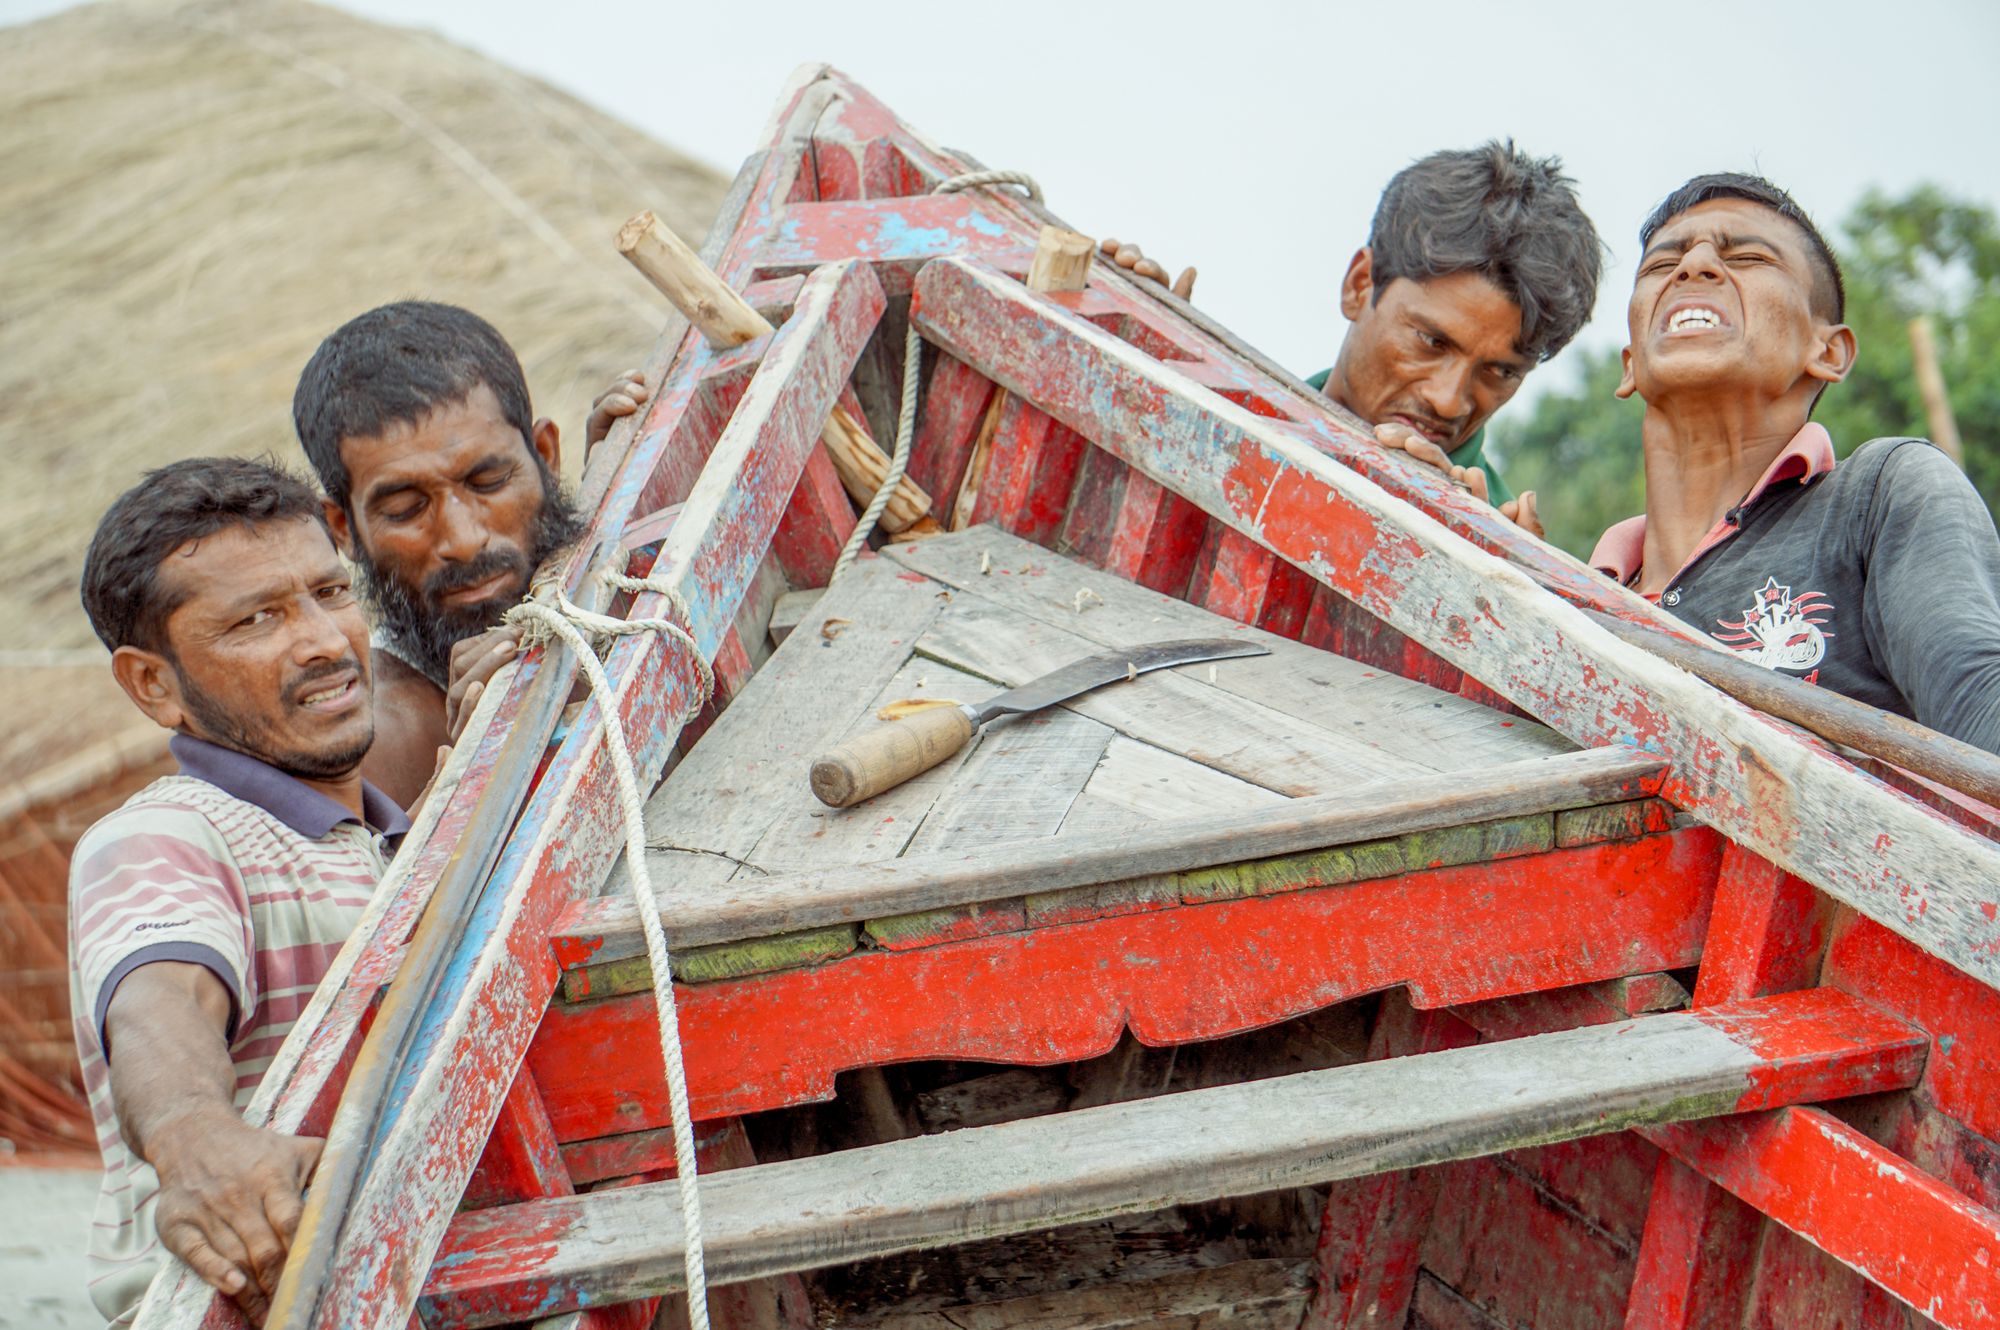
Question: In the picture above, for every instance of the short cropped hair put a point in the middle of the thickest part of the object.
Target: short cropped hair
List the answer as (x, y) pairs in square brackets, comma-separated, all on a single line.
[(1829, 289), (395, 365), (188, 500), (1509, 217)]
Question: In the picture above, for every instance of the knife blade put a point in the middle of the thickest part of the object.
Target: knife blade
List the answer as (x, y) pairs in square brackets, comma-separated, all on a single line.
[(883, 758)]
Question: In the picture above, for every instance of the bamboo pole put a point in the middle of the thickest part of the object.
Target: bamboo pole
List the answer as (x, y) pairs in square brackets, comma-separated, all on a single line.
[(1061, 263), (725, 320), (1930, 384)]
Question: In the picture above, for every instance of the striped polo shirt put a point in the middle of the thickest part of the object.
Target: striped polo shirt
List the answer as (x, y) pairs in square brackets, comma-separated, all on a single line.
[(233, 865)]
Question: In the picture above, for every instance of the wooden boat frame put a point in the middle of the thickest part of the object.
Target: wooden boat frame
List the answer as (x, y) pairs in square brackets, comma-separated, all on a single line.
[(1845, 918)]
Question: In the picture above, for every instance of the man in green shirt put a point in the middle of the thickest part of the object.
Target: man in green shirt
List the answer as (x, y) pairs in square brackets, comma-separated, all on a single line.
[(1480, 265)]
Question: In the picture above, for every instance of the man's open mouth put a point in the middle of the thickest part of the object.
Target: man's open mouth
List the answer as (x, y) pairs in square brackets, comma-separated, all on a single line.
[(1430, 429), (1694, 319), (333, 696)]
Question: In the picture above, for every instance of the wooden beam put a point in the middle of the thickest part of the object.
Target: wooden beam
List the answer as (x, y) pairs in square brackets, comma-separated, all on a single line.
[(1305, 932), (1749, 777), (516, 1261), (596, 931), (725, 319), (469, 1043), (1061, 263), (1873, 1212)]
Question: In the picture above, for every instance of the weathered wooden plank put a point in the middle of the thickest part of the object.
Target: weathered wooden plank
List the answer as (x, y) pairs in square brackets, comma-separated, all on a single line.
[(1753, 779), (1140, 781), (608, 928), (467, 1046), (1393, 714), (1178, 709), (1873, 1212), (1169, 975), (806, 835), (1175, 1149)]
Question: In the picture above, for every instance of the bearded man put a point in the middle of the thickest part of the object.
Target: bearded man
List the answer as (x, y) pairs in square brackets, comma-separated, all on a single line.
[(443, 490)]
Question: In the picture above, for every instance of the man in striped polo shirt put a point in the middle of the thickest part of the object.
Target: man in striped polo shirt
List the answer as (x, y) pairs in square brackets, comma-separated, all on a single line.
[(205, 910)]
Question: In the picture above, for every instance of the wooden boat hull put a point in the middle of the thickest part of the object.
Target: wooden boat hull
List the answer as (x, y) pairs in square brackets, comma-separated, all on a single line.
[(1815, 1150)]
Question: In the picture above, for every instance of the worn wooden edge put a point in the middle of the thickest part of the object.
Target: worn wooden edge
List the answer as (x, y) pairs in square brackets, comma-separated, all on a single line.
[(606, 929), (1123, 1158), (1751, 778)]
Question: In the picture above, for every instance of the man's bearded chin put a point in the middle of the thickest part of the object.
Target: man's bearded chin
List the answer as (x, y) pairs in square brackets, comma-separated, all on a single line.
[(222, 727), (422, 628)]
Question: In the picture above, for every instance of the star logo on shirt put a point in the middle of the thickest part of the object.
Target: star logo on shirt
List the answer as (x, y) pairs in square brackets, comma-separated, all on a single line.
[(1780, 631)]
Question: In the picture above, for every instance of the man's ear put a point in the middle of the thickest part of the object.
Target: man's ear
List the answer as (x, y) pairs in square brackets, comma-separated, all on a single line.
[(339, 526), (1357, 288), (152, 683), (1627, 385), (547, 442), (1835, 356)]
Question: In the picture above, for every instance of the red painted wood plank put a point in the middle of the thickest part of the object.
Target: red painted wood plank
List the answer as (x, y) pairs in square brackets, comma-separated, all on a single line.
[(1373, 1228), (1961, 1015), (1156, 535), (1029, 473), (1064, 994), (522, 1158), (955, 400), (1858, 1202), (1767, 934), (1697, 1257), (1748, 776), (1239, 579), (816, 524)]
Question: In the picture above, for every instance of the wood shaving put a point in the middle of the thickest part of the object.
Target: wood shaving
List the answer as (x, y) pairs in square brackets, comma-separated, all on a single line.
[(833, 628), (910, 706), (985, 563), (1131, 671), (1085, 596)]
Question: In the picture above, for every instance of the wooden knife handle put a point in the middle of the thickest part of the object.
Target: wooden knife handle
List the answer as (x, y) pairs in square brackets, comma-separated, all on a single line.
[(886, 756)]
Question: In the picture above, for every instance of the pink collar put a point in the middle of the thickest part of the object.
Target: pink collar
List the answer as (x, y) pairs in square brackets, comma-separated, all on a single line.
[(1622, 550)]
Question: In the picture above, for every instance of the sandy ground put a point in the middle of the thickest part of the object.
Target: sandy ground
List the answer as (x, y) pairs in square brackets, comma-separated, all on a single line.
[(44, 1214)]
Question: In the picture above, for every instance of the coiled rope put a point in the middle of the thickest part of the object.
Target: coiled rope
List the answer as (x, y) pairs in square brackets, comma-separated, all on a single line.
[(913, 348)]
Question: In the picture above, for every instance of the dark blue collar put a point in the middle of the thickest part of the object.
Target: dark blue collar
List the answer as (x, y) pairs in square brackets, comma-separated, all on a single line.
[(287, 798)]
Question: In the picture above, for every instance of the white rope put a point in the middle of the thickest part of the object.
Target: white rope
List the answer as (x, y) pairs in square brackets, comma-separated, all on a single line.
[(913, 347), (583, 631)]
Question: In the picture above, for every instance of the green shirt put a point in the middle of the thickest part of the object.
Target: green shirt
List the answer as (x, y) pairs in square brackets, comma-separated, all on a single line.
[(1470, 453)]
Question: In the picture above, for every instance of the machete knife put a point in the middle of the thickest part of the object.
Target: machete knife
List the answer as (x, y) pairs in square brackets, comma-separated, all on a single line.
[(883, 758)]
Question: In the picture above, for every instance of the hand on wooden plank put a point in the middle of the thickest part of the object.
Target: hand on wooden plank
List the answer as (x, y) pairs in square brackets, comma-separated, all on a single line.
[(622, 397), (230, 1200), (1394, 434), (1134, 260), (474, 662)]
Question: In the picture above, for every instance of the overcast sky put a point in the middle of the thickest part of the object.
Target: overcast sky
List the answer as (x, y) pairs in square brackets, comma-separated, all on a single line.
[(1251, 138)]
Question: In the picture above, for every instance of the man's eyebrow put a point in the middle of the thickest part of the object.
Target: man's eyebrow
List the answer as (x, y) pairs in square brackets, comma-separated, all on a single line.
[(1425, 326)]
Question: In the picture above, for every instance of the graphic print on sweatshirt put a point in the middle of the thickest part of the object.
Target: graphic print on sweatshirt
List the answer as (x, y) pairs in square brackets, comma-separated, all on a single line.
[(1780, 631)]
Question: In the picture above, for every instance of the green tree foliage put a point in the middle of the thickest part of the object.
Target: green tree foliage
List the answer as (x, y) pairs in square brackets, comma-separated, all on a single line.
[(1923, 253)]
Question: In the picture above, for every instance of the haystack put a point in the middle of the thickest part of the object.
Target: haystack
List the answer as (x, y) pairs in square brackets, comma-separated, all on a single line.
[(191, 196)]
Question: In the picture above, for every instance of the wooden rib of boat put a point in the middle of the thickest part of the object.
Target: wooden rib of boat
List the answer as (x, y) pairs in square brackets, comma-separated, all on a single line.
[(1457, 964)]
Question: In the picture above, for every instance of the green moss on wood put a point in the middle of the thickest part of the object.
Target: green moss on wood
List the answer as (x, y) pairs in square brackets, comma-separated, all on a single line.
[(951, 924), (698, 965)]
